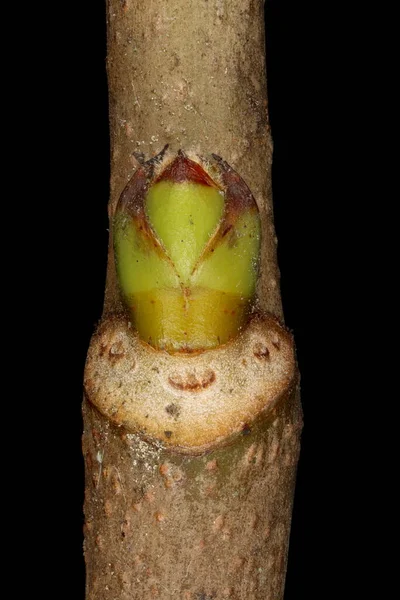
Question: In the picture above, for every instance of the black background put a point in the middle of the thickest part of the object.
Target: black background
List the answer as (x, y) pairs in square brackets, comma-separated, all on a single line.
[(308, 206)]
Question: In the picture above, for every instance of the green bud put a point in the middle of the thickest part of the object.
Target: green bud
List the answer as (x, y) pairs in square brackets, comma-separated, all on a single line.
[(187, 250)]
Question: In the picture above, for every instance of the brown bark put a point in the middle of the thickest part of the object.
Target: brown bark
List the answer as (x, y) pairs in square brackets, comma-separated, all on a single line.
[(190, 461)]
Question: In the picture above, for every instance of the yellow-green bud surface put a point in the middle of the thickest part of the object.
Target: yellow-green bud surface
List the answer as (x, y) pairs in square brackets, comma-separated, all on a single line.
[(184, 215), (187, 253)]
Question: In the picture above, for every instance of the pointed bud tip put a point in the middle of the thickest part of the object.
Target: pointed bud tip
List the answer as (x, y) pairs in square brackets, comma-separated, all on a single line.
[(182, 169)]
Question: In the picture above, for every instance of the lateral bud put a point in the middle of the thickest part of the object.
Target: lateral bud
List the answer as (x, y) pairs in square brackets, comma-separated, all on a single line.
[(187, 244)]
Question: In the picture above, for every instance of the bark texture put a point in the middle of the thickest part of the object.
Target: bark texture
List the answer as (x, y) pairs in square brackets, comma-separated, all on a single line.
[(177, 507), (164, 525)]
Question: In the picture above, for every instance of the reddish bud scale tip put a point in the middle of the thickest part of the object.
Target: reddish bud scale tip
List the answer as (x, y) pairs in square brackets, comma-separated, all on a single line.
[(183, 169), (132, 197), (238, 196)]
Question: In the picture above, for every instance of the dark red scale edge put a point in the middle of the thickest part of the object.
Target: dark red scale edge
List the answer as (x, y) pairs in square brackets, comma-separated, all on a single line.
[(182, 169)]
